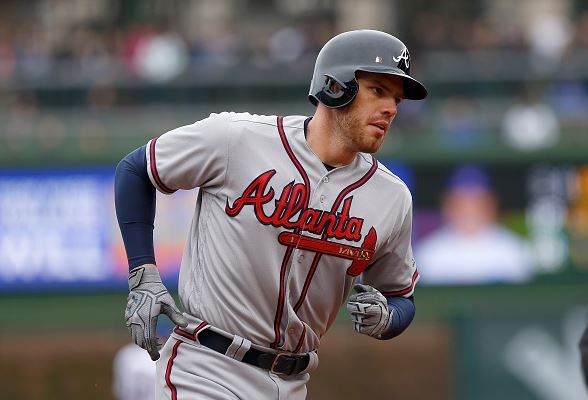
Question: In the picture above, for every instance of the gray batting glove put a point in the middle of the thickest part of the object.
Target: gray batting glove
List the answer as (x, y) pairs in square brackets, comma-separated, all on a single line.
[(148, 298), (369, 311)]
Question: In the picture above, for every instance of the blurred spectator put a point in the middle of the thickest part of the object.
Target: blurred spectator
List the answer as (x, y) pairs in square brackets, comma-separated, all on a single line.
[(132, 40), (217, 46), (471, 248), (580, 39), (34, 59), (530, 124), (160, 57), (132, 369), (548, 36), (287, 45), (569, 100)]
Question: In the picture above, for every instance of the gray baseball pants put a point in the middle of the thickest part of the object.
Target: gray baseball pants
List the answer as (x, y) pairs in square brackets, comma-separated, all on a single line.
[(189, 370)]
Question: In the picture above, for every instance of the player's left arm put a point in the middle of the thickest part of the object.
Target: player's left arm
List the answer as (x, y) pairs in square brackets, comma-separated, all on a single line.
[(403, 310), (383, 305)]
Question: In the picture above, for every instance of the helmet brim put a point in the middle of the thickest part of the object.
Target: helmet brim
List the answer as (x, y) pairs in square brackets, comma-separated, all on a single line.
[(413, 89)]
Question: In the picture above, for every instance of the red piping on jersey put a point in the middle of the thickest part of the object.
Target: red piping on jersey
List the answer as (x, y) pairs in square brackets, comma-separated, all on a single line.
[(334, 208), (280, 307), (293, 158), (309, 277), (301, 340), (402, 292), (172, 387), (154, 169), (355, 185), (189, 335)]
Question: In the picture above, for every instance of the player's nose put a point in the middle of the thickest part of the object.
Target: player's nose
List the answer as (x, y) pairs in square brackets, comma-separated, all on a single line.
[(389, 107)]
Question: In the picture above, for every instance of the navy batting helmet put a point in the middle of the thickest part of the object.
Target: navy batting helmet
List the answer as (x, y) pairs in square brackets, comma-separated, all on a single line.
[(334, 83)]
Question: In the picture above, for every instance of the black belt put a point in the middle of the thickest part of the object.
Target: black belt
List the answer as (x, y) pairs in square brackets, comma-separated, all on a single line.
[(280, 363)]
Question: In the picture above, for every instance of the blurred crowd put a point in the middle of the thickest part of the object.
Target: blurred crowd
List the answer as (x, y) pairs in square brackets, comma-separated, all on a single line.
[(157, 51), (100, 65), (548, 35), (150, 52)]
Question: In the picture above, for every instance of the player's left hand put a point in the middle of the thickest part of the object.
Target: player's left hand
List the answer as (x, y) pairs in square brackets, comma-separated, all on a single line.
[(369, 311), (148, 297)]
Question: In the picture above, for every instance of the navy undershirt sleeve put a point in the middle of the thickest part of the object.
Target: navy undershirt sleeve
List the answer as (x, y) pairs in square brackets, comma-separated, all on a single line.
[(134, 198), (403, 311)]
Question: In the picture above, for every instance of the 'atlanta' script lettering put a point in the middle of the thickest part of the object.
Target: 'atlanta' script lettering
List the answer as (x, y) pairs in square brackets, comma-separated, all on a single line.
[(289, 211)]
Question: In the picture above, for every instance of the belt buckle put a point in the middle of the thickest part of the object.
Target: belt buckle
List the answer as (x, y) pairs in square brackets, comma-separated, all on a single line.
[(275, 363)]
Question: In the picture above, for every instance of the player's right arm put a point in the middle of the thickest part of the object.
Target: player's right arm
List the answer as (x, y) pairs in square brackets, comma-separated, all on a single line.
[(135, 210), (190, 156), (187, 157), (134, 198)]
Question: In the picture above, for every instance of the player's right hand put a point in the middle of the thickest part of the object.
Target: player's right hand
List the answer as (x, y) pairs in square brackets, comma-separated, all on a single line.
[(148, 297)]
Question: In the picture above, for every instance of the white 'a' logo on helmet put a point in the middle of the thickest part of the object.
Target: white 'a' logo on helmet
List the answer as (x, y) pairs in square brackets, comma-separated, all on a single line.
[(403, 56)]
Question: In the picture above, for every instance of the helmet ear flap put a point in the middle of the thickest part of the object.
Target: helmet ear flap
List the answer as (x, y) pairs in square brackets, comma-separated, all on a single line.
[(332, 88), (335, 94)]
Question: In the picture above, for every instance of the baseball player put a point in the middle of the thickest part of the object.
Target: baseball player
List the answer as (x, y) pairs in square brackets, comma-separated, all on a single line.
[(292, 214)]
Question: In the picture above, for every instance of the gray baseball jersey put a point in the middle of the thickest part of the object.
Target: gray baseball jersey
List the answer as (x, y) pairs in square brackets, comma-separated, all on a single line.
[(277, 239)]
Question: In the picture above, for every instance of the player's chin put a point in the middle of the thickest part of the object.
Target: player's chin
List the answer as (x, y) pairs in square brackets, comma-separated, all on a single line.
[(373, 143), (372, 146)]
